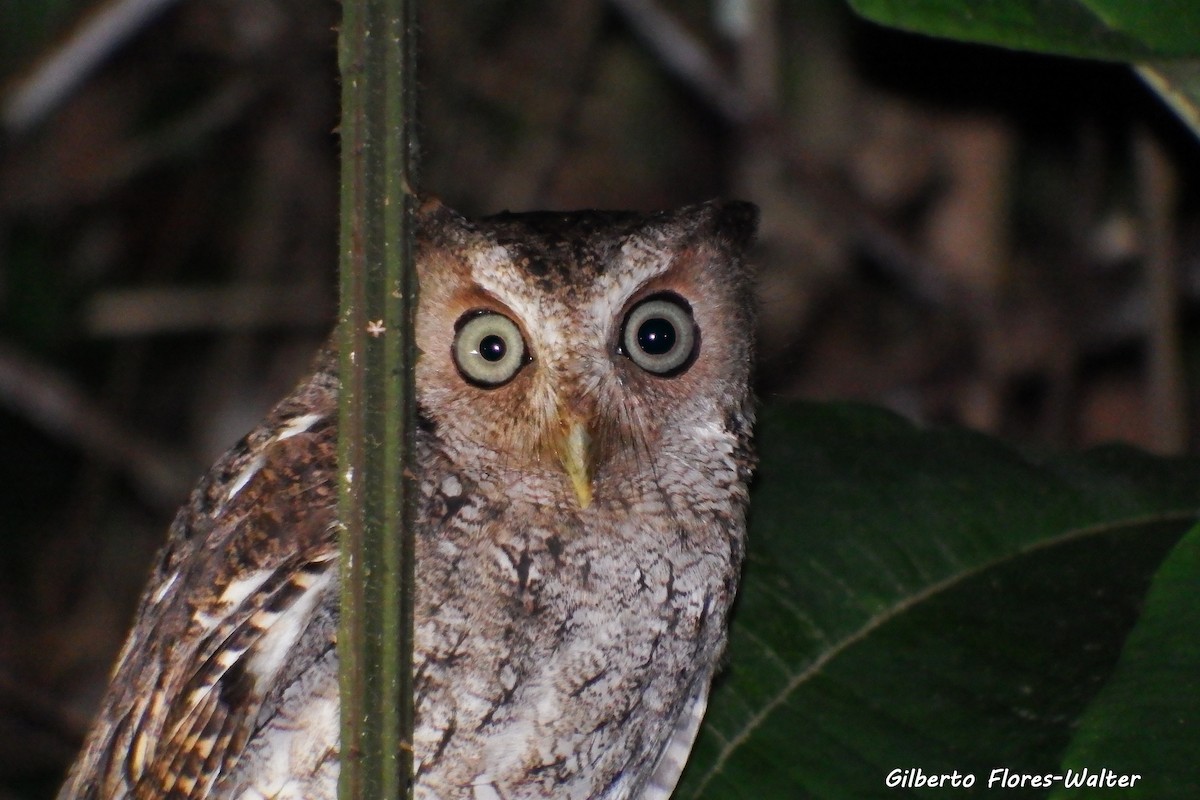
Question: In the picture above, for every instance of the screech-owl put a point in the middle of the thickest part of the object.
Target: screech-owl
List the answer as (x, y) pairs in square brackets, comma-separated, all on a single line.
[(583, 449)]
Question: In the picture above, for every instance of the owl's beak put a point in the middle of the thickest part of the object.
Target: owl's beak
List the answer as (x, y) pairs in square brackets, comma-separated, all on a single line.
[(574, 451)]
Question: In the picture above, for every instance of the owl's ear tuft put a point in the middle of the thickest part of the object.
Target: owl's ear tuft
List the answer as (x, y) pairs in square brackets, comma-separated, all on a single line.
[(736, 222), (438, 223), (429, 205)]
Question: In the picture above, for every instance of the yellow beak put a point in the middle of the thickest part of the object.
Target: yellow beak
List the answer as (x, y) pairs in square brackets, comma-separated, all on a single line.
[(574, 452)]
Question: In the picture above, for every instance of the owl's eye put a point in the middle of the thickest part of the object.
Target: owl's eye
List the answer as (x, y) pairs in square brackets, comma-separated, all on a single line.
[(660, 335), (488, 348)]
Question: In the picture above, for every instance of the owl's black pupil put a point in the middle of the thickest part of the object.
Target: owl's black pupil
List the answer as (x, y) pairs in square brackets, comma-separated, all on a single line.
[(492, 348), (656, 336)]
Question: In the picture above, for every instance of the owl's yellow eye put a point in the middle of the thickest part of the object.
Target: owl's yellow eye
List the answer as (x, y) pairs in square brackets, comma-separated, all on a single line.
[(660, 336), (488, 348)]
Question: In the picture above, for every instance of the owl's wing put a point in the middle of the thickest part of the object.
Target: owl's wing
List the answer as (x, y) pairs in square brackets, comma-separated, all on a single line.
[(247, 562), (661, 784), (196, 726)]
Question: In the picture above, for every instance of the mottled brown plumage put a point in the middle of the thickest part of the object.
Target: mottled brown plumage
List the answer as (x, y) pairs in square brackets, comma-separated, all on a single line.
[(583, 457)]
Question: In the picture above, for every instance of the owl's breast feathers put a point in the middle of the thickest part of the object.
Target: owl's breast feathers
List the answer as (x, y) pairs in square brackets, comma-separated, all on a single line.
[(567, 651)]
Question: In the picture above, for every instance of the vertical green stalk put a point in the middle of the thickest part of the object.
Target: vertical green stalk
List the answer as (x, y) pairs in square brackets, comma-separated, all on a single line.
[(377, 403)]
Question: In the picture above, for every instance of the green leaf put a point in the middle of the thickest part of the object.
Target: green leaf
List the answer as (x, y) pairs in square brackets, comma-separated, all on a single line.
[(1147, 719), (931, 600), (1178, 84), (1121, 30)]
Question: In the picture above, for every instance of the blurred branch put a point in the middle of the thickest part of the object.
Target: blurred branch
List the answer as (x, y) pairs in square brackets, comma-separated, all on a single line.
[(1167, 393), (63, 69), (216, 112), (685, 57), (146, 311), (754, 26), (52, 403)]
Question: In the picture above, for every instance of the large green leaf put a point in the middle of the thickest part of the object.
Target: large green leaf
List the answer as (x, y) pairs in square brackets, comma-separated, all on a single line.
[(1121, 30), (931, 600), (1147, 32), (1145, 719)]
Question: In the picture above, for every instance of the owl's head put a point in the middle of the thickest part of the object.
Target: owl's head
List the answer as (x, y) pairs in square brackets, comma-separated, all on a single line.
[(572, 350)]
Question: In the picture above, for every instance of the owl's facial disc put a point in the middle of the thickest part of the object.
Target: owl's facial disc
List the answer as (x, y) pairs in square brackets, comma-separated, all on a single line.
[(488, 351), (661, 337)]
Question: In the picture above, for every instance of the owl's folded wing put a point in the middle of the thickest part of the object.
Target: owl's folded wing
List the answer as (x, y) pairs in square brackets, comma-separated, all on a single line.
[(203, 722), (249, 560)]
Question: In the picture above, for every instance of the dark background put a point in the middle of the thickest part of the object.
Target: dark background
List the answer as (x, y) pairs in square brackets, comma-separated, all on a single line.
[(966, 235)]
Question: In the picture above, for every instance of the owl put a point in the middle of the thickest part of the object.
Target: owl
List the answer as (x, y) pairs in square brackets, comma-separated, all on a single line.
[(583, 450)]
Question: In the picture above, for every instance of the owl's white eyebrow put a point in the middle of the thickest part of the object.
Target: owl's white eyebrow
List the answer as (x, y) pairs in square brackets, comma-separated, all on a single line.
[(492, 269), (639, 262)]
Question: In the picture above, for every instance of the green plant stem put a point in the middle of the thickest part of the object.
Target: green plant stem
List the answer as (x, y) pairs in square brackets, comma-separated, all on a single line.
[(377, 402)]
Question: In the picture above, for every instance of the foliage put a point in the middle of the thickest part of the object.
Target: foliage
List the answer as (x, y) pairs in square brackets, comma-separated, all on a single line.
[(934, 600), (925, 604), (1122, 30), (1162, 37)]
